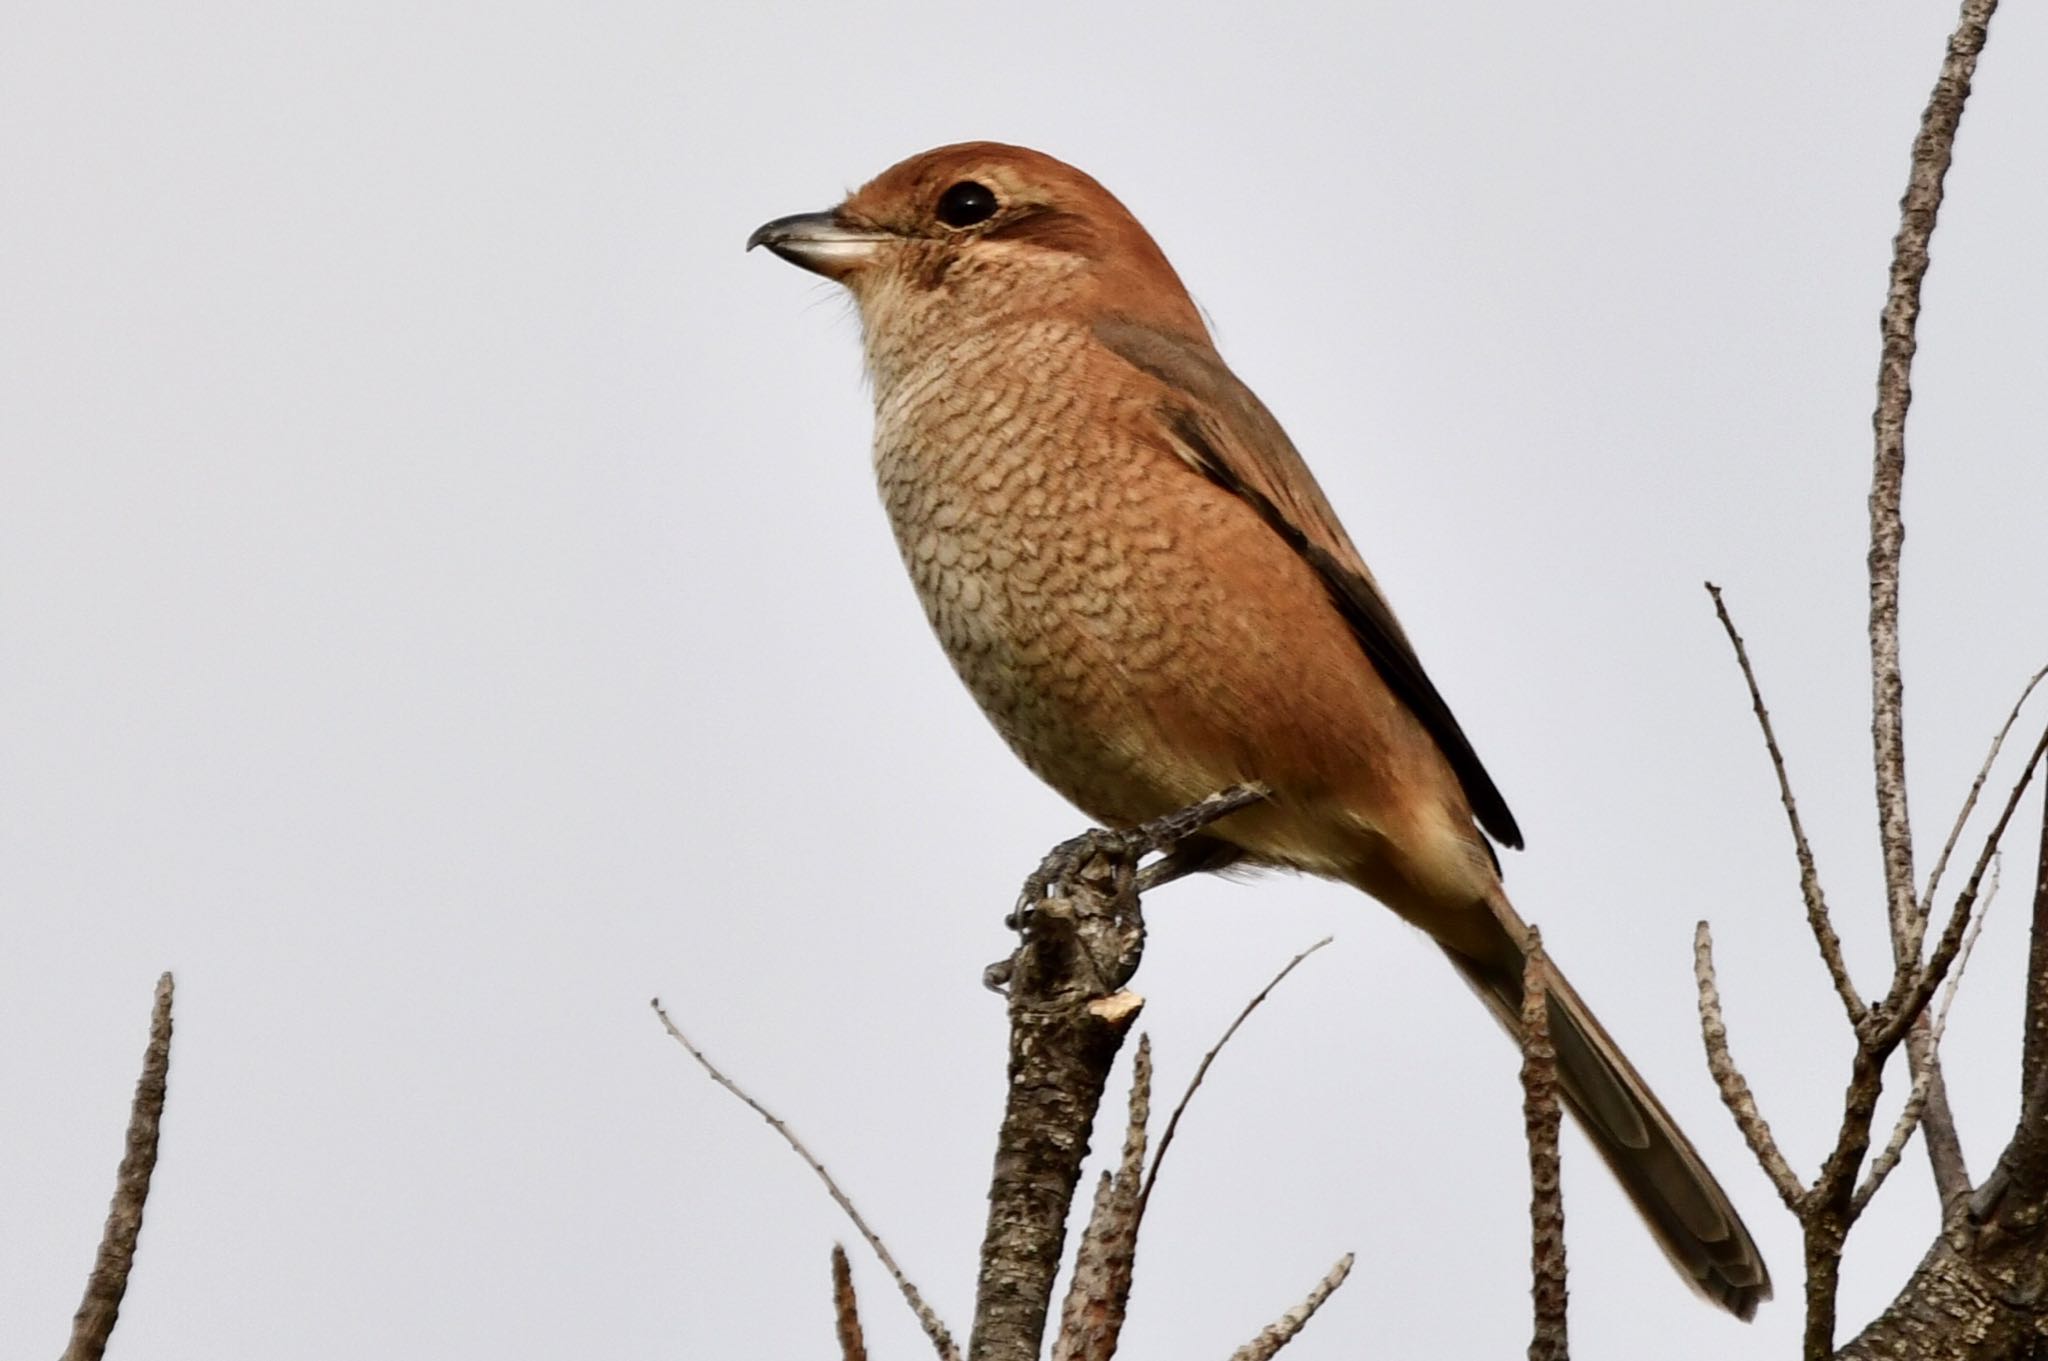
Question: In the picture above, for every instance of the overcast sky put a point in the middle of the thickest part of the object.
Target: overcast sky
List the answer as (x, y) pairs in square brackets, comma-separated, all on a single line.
[(443, 603)]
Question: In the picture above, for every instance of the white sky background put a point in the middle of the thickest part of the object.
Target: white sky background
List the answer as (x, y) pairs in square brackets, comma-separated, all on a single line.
[(443, 603)]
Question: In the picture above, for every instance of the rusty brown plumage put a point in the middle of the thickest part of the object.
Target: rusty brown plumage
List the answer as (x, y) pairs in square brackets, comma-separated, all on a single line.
[(1140, 582)]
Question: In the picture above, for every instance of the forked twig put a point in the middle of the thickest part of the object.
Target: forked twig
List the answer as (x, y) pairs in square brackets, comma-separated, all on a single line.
[(1943, 1146), (1913, 999), (1735, 1093), (934, 1328), (1916, 1100), (1202, 1069), (1955, 832)]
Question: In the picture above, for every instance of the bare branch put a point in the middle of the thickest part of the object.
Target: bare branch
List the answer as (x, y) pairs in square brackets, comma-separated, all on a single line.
[(1068, 1014), (2024, 1166), (1930, 1093), (1099, 1292), (1928, 1105), (2034, 1048), (1541, 1118), (1881, 1166), (1809, 876), (1945, 1157), (1930, 1072), (1955, 833), (934, 1328), (1283, 1329), (97, 1313), (1735, 1093), (1202, 1070), (1918, 211), (846, 1309), (1901, 1008)]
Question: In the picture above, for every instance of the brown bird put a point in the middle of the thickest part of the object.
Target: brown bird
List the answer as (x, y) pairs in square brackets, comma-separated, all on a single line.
[(1139, 580)]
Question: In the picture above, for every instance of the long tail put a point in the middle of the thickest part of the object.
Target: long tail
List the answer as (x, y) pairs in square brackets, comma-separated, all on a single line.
[(1685, 1208)]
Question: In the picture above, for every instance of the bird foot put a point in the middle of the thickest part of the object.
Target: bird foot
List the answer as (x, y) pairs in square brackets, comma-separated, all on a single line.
[(1068, 861)]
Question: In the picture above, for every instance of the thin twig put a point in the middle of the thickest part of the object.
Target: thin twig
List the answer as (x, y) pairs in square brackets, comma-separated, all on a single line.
[(1916, 1099), (1809, 876), (1955, 833), (846, 1309), (1928, 1101), (97, 1313), (1283, 1329), (1541, 1118), (1735, 1093), (1901, 1009), (934, 1328), (1202, 1070)]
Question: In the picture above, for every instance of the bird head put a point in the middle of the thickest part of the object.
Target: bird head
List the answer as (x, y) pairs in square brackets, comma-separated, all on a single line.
[(971, 233)]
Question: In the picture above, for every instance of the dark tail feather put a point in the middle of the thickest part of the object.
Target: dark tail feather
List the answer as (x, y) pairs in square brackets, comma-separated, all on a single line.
[(1685, 1208)]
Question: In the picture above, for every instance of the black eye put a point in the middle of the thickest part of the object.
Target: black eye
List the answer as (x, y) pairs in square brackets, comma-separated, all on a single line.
[(967, 203)]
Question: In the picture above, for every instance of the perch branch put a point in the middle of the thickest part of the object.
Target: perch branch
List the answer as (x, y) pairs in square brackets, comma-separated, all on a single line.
[(1083, 935)]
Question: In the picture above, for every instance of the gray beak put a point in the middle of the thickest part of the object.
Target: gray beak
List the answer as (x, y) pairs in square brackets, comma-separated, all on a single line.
[(819, 242)]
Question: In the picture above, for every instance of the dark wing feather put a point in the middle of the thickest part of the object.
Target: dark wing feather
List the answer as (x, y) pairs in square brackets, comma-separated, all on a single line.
[(1226, 433)]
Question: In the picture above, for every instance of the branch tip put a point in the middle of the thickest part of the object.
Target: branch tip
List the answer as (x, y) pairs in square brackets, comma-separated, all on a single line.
[(1734, 1088)]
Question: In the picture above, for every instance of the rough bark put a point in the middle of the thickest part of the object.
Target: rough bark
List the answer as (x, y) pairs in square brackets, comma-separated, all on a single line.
[(104, 1290), (1068, 1019)]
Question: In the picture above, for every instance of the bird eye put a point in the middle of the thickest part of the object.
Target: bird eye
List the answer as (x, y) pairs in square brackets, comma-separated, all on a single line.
[(967, 203)]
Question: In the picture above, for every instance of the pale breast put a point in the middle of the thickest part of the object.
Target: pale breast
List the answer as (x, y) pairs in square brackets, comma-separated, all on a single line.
[(1138, 633), (1017, 519), (1066, 565)]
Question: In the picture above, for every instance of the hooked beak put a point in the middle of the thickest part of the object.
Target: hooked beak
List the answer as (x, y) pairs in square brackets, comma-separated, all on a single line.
[(823, 243)]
